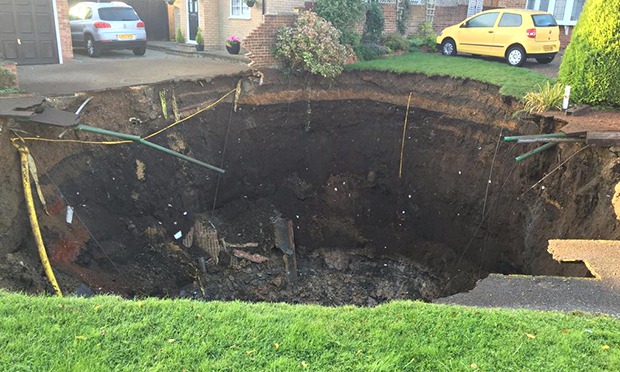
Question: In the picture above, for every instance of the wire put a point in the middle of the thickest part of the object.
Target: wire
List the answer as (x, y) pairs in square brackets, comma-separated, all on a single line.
[(210, 106), (219, 176)]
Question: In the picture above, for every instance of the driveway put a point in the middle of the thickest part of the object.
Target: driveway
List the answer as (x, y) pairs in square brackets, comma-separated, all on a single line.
[(116, 69)]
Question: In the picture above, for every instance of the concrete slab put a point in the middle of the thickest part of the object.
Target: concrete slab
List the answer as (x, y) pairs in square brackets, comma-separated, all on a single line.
[(602, 257), (540, 293)]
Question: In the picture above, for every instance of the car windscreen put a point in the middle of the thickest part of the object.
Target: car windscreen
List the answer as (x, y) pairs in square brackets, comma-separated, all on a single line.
[(544, 20), (117, 14)]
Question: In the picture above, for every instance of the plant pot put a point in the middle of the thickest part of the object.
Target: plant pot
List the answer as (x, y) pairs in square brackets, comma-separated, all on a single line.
[(233, 49), (250, 3), (200, 47)]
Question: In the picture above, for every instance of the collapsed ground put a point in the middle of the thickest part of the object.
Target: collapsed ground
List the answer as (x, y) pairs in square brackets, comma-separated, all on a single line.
[(325, 156)]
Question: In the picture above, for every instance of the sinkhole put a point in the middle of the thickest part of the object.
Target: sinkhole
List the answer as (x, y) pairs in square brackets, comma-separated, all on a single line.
[(374, 209)]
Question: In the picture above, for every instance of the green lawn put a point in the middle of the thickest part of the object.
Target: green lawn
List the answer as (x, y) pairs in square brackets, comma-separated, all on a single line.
[(108, 333), (513, 81)]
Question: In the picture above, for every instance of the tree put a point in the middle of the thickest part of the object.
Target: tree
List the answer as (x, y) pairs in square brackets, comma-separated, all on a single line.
[(591, 63)]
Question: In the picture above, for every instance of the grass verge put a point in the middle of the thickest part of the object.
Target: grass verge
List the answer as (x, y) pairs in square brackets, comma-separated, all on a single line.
[(513, 81), (109, 333)]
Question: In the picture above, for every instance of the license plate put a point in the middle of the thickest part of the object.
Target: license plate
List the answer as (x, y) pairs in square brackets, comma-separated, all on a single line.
[(125, 37), (548, 48)]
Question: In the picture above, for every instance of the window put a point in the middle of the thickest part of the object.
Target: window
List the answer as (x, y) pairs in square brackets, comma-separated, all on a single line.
[(566, 12), (238, 9), (544, 20), (510, 20), (484, 20), (118, 14)]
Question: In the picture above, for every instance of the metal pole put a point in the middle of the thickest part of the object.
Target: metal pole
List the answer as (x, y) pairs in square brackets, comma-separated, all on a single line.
[(535, 151), (137, 139)]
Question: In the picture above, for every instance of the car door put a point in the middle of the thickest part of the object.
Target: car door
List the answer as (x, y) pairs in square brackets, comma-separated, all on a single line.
[(508, 29), (476, 35), (77, 20)]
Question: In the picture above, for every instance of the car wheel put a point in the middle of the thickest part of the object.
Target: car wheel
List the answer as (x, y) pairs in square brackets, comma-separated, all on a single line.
[(448, 47), (515, 56), (544, 60), (91, 48), (139, 51)]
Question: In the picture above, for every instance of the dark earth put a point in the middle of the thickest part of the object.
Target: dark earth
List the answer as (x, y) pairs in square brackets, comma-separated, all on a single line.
[(324, 155)]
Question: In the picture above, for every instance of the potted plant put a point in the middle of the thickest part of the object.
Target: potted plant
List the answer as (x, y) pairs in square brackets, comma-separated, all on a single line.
[(250, 3), (200, 41), (233, 44)]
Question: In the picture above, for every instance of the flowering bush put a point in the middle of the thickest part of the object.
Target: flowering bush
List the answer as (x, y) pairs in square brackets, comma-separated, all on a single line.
[(233, 40), (312, 45)]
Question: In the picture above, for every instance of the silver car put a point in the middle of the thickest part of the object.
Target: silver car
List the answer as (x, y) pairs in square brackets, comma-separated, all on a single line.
[(105, 26)]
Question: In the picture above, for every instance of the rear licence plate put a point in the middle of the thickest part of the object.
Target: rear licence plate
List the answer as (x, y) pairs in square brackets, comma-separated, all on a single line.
[(548, 48), (129, 37)]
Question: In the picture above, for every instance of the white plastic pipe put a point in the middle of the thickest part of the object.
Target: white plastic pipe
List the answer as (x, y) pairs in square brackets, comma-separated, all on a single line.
[(566, 97)]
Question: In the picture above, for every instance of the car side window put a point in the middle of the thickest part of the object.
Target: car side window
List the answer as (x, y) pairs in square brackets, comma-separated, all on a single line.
[(510, 20), (89, 13), (483, 20)]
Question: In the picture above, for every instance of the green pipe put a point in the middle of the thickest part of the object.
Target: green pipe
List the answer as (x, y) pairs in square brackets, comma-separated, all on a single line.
[(535, 151), (134, 138), (549, 135)]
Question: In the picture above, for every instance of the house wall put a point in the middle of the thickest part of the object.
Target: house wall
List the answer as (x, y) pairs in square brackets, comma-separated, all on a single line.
[(62, 8), (281, 6), (260, 42)]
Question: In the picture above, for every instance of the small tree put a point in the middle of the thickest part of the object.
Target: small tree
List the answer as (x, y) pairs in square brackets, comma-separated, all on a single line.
[(179, 37), (199, 39), (375, 23), (591, 63), (344, 15), (312, 45)]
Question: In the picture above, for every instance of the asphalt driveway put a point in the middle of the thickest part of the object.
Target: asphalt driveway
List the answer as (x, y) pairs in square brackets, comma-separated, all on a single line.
[(116, 69)]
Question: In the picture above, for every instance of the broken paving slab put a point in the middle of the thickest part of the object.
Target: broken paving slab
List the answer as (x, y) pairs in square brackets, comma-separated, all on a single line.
[(601, 257), (547, 293)]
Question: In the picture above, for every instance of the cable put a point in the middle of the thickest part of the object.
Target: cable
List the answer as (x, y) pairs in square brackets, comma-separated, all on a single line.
[(219, 176)]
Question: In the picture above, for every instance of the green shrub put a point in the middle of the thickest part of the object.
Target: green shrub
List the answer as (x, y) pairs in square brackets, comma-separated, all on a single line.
[(547, 97), (368, 51), (375, 23), (395, 42), (180, 38), (343, 14), (7, 79), (312, 45), (591, 63), (199, 39), (424, 38)]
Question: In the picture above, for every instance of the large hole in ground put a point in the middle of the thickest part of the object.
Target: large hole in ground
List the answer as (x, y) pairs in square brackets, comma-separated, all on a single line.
[(364, 231)]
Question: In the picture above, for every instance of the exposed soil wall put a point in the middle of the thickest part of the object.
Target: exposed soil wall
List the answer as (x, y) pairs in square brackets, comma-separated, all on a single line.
[(325, 155)]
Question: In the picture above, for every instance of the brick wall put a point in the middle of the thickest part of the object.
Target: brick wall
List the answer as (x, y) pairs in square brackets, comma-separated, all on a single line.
[(281, 6), (448, 15), (390, 17), (62, 7), (260, 42), (519, 4)]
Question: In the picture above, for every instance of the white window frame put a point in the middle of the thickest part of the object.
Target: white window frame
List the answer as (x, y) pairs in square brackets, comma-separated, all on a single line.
[(566, 21), (245, 10)]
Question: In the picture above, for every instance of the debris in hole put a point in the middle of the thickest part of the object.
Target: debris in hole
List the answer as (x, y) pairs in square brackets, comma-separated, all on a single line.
[(178, 235), (69, 217), (285, 241), (256, 258), (206, 238)]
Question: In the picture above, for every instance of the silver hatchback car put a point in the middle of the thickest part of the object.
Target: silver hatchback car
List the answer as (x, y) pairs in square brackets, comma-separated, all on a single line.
[(105, 26)]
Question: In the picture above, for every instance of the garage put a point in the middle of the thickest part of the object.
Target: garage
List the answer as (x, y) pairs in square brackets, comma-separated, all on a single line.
[(28, 31)]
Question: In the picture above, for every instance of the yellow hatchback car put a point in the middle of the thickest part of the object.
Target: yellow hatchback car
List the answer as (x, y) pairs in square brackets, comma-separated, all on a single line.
[(514, 34)]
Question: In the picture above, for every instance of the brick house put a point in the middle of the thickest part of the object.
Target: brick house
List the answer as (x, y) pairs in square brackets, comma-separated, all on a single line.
[(219, 19), (35, 32)]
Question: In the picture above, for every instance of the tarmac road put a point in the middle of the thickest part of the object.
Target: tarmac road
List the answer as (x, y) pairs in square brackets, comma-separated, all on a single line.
[(116, 69)]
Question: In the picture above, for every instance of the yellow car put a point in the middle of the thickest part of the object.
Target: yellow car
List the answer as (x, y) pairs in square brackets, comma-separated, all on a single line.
[(514, 34)]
